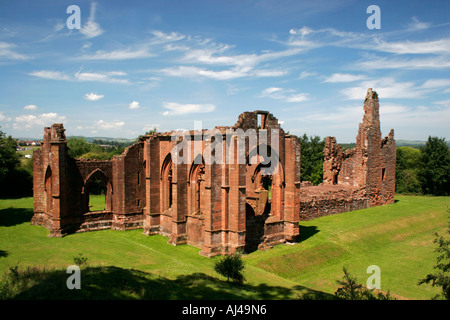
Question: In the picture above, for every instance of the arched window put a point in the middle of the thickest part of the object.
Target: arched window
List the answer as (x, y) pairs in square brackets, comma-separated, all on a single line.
[(196, 178), (166, 183), (97, 191), (48, 190)]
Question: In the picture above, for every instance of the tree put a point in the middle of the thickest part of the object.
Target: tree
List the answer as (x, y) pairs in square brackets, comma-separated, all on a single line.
[(9, 159), (442, 277), (232, 267), (352, 290), (14, 180), (154, 130), (78, 146), (407, 170), (91, 155), (312, 159), (434, 174)]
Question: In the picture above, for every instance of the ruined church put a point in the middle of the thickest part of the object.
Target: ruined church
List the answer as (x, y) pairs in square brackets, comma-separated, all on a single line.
[(250, 197)]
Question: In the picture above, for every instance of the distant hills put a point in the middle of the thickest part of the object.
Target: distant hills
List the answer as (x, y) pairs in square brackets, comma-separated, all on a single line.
[(108, 139), (413, 143), (88, 139)]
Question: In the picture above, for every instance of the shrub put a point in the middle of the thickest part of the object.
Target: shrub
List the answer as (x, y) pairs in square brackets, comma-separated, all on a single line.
[(231, 267), (80, 260), (352, 290)]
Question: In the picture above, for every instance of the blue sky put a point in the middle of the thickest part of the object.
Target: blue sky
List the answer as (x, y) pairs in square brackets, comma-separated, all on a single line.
[(136, 65)]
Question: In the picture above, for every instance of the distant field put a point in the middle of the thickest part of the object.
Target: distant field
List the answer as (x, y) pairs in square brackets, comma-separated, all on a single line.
[(398, 238)]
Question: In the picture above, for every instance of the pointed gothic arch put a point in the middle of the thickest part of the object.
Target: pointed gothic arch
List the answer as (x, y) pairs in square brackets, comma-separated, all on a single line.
[(196, 183), (48, 188), (98, 179), (166, 183)]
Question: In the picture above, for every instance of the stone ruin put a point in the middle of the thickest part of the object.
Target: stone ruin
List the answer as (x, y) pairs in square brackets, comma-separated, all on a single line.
[(357, 178), (219, 206)]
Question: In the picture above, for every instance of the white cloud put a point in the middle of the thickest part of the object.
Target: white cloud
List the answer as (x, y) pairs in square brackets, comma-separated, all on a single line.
[(271, 90), (306, 74), (59, 26), (161, 37), (118, 54), (150, 127), (268, 73), (390, 108), (222, 63), (310, 38), (93, 97), (30, 107), (91, 29), (386, 88), (418, 25), (175, 108), (233, 73), (52, 75), (7, 52), (410, 47), (87, 45), (4, 118), (191, 71), (101, 77), (344, 77), (43, 120), (410, 119), (299, 97), (436, 83), (134, 105), (214, 55), (109, 125), (287, 95), (307, 38), (110, 77), (376, 63)]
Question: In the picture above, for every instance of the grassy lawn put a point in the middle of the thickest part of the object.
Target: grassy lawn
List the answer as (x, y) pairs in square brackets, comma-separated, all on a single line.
[(398, 238), (97, 202)]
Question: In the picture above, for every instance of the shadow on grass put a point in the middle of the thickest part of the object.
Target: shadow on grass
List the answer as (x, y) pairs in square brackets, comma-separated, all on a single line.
[(13, 216), (3, 253), (307, 232), (110, 283)]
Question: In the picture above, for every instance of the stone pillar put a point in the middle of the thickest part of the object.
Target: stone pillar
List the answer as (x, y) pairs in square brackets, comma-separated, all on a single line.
[(236, 201), (292, 189), (57, 161), (179, 198), (371, 147), (152, 186)]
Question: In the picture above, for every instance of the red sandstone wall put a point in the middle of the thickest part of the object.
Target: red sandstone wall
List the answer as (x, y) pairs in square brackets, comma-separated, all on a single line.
[(327, 200), (389, 158)]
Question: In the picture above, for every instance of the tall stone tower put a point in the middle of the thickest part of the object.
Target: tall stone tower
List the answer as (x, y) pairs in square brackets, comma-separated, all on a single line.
[(371, 164), (50, 170)]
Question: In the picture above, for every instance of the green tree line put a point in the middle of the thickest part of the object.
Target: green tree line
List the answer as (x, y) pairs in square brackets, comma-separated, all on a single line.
[(424, 170), (80, 148), (15, 174)]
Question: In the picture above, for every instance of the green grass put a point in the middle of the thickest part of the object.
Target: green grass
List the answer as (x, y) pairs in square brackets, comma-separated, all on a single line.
[(398, 238), (96, 202)]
